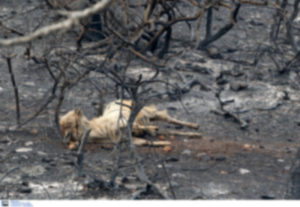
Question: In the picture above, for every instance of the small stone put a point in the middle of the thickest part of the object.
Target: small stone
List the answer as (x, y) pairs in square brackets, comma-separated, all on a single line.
[(247, 146), (288, 150), (29, 83), (168, 165), (165, 188), (172, 137), (5, 140), (24, 189), (238, 85), (129, 178), (223, 172), (174, 184), (118, 180), (280, 160), (243, 171), (133, 186), (172, 159), (53, 164), (46, 159), (65, 162), (167, 149), (220, 158), (214, 53), (107, 147), (200, 155), (178, 175), (24, 157), (222, 81), (187, 152), (34, 131), (40, 153), (213, 190), (267, 197), (162, 137), (203, 156), (33, 171), (25, 183), (29, 143), (72, 146), (23, 150)]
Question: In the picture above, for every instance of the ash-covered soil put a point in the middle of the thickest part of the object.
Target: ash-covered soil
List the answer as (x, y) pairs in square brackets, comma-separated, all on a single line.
[(252, 156)]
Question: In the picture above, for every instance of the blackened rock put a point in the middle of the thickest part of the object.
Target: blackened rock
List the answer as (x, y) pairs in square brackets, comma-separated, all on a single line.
[(5, 140), (214, 53), (172, 159), (220, 158), (202, 156), (187, 153), (24, 189), (267, 197), (238, 85), (46, 159), (25, 183)]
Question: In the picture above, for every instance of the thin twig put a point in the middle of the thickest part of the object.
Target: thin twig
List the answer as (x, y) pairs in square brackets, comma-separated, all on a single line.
[(138, 165), (138, 193), (7, 173), (225, 113), (72, 20), (80, 152), (115, 171), (204, 43), (35, 114), (16, 91), (169, 180), (58, 105)]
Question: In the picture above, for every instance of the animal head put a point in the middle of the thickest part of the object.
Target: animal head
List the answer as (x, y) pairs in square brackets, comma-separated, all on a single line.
[(72, 125)]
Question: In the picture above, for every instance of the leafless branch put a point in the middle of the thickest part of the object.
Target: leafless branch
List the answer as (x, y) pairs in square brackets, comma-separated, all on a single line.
[(73, 19), (80, 152), (16, 91), (8, 172)]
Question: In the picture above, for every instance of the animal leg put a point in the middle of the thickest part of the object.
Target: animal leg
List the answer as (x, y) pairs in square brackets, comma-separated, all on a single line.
[(139, 129), (163, 116), (143, 142)]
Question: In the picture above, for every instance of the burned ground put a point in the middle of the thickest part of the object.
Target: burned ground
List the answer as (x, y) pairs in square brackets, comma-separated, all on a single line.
[(248, 114)]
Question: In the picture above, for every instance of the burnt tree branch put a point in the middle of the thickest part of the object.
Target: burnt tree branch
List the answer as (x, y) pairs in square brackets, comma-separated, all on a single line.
[(204, 43), (16, 91)]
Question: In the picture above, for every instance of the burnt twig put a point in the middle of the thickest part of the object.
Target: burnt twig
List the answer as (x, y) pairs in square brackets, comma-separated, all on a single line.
[(169, 180), (208, 40), (80, 152), (227, 114), (16, 91), (138, 164), (58, 105), (138, 193), (8, 172)]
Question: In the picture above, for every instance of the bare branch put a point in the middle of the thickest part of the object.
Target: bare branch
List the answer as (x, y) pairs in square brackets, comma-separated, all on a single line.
[(80, 152), (16, 91), (63, 26)]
